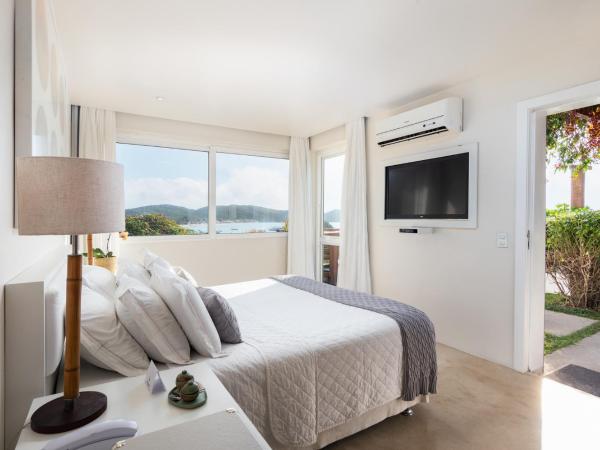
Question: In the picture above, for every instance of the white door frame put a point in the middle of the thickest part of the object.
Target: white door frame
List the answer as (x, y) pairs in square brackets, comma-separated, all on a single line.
[(530, 218)]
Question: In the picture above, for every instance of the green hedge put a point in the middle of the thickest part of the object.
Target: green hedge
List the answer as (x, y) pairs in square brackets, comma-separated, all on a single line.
[(573, 254), (153, 225)]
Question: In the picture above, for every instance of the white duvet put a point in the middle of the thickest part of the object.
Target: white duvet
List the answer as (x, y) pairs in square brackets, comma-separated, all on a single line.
[(307, 364)]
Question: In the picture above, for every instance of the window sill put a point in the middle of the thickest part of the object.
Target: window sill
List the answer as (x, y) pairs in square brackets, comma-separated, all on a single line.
[(202, 237)]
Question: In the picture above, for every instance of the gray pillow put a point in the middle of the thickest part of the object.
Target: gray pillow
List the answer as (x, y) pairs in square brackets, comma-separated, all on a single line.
[(222, 315)]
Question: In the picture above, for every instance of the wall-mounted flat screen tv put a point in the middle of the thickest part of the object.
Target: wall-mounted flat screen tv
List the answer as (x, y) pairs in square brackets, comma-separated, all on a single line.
[(436, 188)]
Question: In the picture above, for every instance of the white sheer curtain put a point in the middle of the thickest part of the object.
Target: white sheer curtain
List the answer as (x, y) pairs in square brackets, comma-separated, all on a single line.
[(97, 134), (98, 140), (301, 234), (354, 269)]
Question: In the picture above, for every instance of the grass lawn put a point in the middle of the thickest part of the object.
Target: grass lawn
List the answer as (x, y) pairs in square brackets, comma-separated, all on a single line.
[(556, 302)]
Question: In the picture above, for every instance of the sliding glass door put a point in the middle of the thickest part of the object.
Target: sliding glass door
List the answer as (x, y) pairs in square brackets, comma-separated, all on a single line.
[(331, 167)]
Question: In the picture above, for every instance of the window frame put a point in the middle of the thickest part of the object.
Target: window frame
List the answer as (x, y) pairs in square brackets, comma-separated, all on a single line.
[(321, 240), (211, 150)]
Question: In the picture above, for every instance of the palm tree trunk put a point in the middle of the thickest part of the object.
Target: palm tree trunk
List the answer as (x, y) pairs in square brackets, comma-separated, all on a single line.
[(577, 189)]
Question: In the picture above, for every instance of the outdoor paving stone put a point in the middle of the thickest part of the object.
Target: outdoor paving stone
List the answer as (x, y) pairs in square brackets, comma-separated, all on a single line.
[(585, 353), (560, 324)]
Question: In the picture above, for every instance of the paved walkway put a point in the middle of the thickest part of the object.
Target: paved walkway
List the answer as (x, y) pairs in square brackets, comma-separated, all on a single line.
[(585, 353), (560, 324)]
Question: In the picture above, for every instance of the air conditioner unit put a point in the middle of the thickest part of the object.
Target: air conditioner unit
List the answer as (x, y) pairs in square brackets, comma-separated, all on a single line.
[(439, 117)]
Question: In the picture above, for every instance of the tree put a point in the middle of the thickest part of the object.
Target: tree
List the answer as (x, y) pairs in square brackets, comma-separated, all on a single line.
[(573, 139), (153, 225)]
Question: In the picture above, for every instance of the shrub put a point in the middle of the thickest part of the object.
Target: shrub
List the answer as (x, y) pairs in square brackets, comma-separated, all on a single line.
[(153, 225), (573, 254)]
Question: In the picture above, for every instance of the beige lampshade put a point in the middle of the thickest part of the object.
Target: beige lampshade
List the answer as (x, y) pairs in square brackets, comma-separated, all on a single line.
[(69, 196)]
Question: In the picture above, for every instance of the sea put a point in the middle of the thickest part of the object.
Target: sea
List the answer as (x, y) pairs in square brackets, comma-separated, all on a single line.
[(237, 227), (241, 227)]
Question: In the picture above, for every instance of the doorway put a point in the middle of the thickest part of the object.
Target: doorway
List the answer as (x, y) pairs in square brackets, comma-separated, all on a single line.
[(330, 169), (530, 224), (572, 294)]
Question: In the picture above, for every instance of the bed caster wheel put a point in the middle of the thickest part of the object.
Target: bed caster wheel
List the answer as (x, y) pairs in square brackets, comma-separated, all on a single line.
[(408, 412)]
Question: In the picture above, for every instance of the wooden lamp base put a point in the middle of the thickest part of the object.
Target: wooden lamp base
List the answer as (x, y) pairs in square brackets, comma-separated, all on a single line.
[(75, 408), (60, 415)]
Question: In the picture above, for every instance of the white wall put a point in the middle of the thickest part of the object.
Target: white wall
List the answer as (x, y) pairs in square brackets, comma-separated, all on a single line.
[(220, 260), (458, 277), (328, 138), (211, 260), (17, 252), (558, 187), (157, 131)]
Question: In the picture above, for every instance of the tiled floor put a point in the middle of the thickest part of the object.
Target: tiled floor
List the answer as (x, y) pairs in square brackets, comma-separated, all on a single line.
[(483, 406)]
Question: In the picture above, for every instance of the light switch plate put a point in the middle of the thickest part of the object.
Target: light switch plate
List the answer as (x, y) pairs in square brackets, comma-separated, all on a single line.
[(502, 240)]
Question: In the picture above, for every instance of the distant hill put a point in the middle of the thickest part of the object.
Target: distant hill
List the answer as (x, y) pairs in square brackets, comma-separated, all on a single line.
[(250, 213), (332, 216), (179, 214), (227, 213)]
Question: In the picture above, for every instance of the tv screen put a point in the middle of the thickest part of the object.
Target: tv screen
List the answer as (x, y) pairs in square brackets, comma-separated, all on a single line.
[(436, 188)]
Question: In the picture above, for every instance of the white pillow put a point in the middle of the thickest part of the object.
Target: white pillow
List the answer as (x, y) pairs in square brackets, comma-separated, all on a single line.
[(104, 341), (152, 260), (133, 269), (100, 280), (180, 271), (185, 303), (150, 322)]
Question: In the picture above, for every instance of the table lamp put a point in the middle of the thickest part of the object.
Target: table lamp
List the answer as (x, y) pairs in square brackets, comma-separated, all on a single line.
[(69, 196)]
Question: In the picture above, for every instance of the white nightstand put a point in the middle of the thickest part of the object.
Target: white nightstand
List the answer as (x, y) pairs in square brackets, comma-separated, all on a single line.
[(129, 399)]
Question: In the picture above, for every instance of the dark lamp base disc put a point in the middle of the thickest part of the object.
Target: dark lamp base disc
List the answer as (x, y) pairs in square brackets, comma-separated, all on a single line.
[(53, 417)]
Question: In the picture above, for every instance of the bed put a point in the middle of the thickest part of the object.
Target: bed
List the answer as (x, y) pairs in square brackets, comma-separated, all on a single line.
[(309, 372), (325, 368)]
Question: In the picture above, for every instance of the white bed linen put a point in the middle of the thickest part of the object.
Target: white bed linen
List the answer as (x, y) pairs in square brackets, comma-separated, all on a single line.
[(307, 364), (342, 365)]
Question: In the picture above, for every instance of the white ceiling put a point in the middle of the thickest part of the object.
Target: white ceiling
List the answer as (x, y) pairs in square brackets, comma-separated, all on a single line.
[(296, 66)]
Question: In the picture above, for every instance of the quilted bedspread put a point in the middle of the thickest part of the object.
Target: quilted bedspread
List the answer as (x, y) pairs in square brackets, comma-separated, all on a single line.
[(307, 364), (419, 360)]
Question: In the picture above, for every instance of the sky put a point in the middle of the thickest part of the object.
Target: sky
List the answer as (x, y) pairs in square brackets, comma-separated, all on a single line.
[(558, 187), (156, 175)]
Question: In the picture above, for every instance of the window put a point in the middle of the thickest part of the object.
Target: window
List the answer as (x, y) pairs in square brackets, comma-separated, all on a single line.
[(333, 168), (251, 194), (331, 175), (166, 190)]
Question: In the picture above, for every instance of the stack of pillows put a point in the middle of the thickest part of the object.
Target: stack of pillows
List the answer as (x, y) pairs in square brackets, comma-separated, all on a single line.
[(150, 311)]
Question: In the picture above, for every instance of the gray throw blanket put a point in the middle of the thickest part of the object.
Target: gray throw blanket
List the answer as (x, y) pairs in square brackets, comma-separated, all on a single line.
[(419, 362)]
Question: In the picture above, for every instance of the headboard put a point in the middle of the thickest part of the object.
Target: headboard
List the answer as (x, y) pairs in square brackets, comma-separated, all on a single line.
[(34, 337)]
